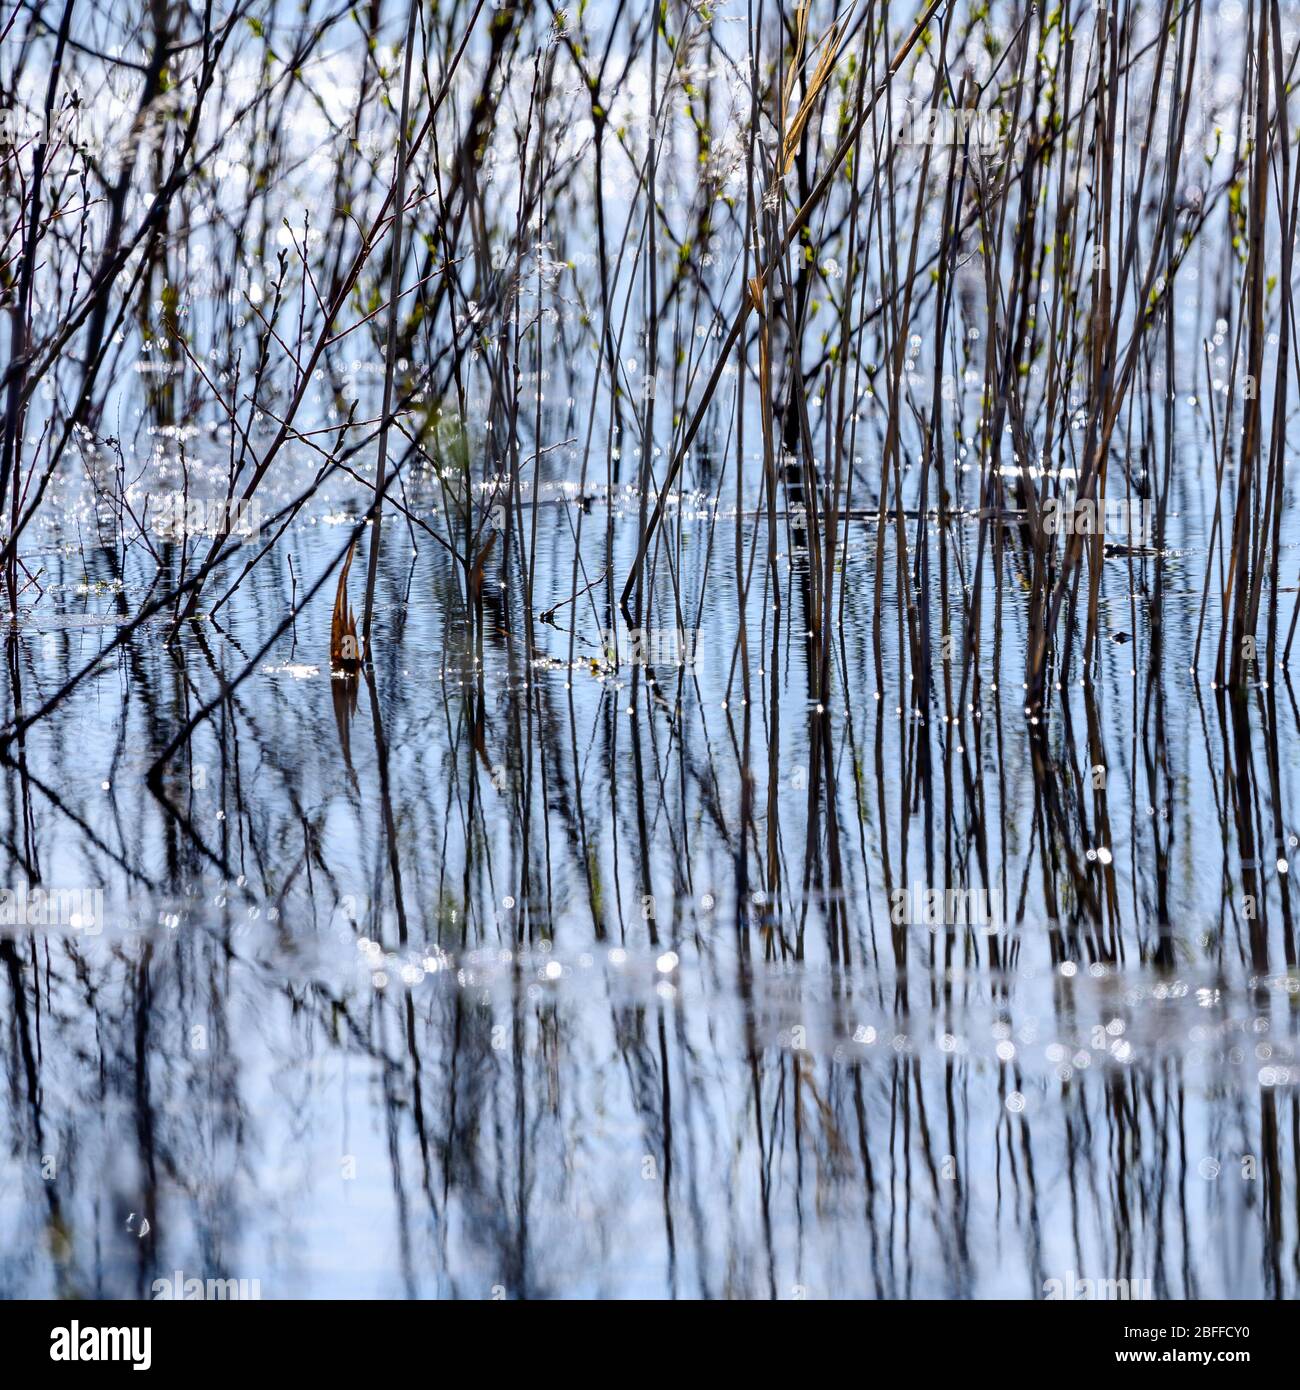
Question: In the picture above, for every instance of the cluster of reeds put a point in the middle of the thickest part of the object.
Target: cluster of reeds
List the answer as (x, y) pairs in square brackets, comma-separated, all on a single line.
[(867, 281)]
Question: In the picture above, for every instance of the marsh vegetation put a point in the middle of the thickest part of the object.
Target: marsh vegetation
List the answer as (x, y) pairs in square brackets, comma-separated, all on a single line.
[(646, 648)]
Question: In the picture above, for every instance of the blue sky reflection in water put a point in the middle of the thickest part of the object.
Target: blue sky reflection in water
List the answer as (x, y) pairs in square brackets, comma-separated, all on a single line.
[(715, 955)]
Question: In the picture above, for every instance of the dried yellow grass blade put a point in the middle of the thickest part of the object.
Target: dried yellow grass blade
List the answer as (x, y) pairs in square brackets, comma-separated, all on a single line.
[(345, 647), (830, 47)]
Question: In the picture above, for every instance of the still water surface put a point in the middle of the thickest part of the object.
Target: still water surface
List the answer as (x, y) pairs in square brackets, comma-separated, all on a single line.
[(415, 986)]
